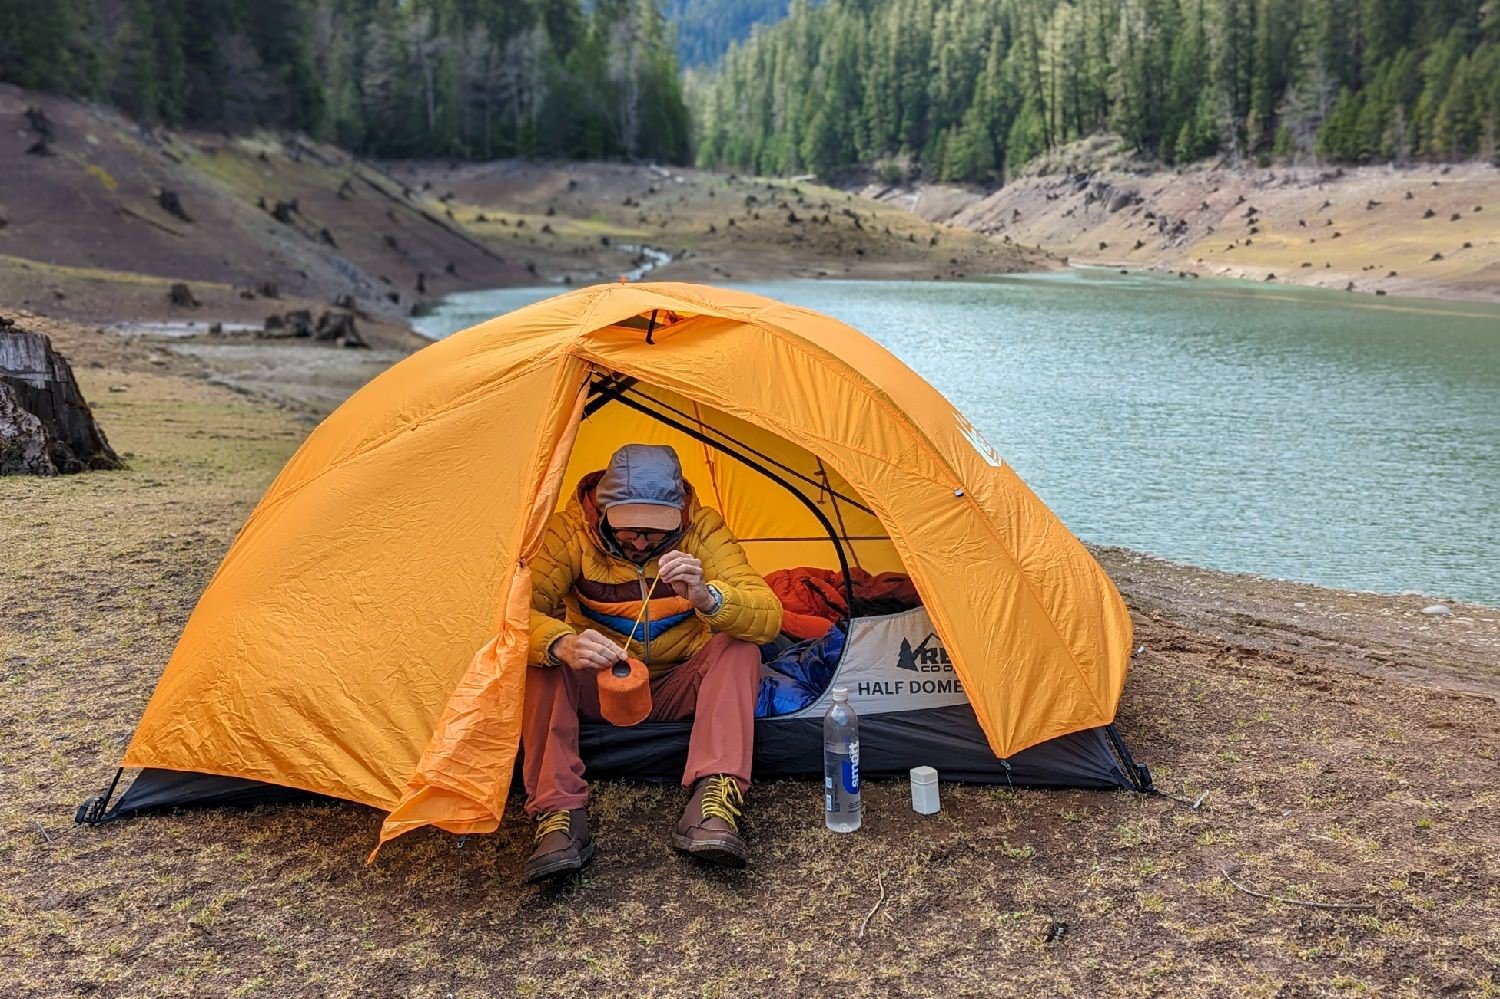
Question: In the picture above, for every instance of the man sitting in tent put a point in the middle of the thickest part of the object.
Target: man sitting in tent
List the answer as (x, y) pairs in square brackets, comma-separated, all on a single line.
[(635, 534)]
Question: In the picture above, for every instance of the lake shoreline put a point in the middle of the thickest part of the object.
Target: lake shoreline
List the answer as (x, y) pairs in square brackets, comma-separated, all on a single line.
[(308, 381)]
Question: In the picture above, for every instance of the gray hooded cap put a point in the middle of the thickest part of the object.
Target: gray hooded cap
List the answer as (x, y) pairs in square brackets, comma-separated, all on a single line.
[(645, 474)]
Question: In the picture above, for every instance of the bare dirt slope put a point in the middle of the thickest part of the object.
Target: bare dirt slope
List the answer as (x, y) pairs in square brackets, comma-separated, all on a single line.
[(583, 223), (261, 224), (1426, 231), (99, 216), (1348, 843)]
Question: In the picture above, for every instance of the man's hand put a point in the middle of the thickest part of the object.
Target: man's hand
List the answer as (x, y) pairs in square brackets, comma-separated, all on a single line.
[(684, 573), (587, 650)]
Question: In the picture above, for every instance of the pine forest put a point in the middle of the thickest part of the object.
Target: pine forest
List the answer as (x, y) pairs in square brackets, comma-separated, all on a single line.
[(957, 90), (972, 91), (464, 78)]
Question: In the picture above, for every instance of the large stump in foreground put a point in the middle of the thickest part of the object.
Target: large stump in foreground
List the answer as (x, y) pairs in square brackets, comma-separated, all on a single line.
[(46, 427)]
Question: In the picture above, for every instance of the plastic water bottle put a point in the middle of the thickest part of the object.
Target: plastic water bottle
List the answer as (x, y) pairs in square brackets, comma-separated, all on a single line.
[(841, 807)]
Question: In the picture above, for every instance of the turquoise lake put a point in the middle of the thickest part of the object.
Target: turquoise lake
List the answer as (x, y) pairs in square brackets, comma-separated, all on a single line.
[(1343, 440)]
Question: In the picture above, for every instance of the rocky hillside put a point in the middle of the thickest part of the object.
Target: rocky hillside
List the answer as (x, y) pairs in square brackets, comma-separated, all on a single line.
[(100, 217), (1429, 231), (578, 223)]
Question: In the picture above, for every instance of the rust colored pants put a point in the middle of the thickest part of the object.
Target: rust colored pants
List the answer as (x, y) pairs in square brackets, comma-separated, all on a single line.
[(716, 688)]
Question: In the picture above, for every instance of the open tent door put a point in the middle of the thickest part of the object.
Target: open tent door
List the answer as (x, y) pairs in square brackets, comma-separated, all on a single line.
[(790, 511), (780, 502)]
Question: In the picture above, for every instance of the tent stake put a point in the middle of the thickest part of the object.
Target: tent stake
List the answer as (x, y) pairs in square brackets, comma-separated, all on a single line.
[(92, 811)]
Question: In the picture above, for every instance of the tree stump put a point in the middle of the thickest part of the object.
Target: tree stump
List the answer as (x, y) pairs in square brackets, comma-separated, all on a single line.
[(339, 328), (46, 427), (299, 323), (172, 204)]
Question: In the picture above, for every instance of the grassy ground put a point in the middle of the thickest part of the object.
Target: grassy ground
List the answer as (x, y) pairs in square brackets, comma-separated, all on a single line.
[(1374, 794)]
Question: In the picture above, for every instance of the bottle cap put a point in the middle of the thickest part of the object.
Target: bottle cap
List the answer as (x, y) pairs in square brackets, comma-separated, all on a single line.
[(840, 693)]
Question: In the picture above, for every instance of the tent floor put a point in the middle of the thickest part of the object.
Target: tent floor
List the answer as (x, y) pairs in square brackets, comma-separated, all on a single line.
[(948, 739)]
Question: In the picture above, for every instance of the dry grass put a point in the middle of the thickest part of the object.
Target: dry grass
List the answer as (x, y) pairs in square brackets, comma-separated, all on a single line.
[(1323, 785)]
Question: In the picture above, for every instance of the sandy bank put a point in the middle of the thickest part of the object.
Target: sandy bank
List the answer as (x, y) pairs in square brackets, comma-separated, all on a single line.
[(1427, 231)]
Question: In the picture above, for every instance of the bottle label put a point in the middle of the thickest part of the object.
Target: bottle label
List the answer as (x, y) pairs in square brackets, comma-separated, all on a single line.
[(849, 770), (841, 781)]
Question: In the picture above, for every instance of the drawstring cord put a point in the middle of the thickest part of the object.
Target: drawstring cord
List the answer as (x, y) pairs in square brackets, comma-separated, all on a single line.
[(639, 617)]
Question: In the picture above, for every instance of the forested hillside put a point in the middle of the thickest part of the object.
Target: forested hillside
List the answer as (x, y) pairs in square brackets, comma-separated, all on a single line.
[(466, 78), (970, 91), (705, 28)]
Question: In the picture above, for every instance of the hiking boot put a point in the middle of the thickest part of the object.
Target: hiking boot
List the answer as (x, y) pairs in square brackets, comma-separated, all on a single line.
[(710, 826), (562, 845)]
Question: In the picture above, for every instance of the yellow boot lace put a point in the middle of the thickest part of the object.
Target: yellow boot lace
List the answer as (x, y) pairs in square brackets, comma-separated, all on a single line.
[(722, 800), (557, 820)]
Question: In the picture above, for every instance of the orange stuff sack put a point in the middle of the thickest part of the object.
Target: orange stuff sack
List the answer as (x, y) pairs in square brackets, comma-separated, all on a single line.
[(625, 693)]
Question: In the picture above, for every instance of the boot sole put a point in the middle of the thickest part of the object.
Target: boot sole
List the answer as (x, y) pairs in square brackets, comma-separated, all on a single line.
[(717, 852), (558, 868)]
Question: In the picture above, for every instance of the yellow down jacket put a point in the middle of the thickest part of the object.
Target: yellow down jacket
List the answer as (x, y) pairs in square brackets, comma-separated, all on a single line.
[(577, 584)]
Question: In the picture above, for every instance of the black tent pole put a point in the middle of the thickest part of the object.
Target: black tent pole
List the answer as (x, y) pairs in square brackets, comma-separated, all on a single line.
[(92, 812), (698, 435)]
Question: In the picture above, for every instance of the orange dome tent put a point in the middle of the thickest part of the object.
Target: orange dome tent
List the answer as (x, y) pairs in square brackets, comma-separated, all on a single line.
[(334, 651)]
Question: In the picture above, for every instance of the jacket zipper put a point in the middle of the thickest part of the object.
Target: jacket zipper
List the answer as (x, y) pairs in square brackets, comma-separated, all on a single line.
[(645, 616)]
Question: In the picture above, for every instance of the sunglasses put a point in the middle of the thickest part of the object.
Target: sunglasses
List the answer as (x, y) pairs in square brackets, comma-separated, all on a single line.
[(629, 536)]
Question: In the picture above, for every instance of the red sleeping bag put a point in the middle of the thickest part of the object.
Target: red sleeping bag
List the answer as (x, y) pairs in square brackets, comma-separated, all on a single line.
[(813, 599)]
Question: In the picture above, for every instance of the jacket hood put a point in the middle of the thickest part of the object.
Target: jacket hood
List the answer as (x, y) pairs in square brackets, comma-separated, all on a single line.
[(593, 516)]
